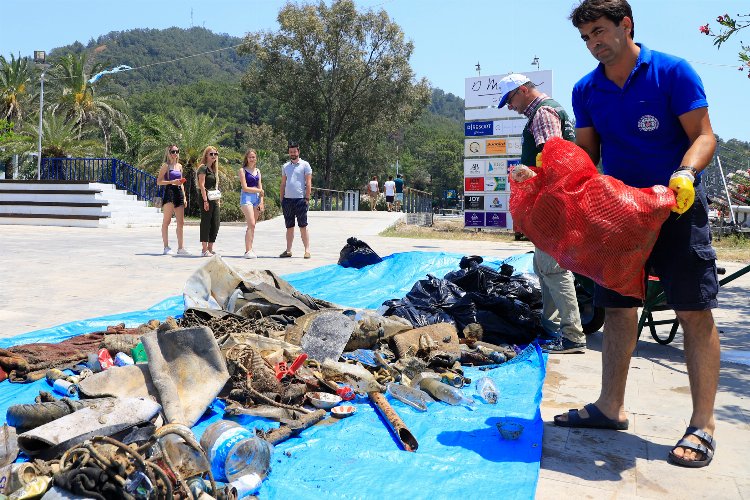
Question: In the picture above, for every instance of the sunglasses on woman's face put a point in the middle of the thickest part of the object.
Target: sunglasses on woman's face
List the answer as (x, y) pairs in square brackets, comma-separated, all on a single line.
[(174, 151), (213, 154)]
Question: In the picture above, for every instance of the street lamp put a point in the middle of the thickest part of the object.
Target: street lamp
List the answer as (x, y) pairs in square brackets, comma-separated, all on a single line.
[(39, 58), (535, 62)]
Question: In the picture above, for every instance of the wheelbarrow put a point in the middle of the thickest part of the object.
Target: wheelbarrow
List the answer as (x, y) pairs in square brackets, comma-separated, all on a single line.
[(592, 317), (656, 300)]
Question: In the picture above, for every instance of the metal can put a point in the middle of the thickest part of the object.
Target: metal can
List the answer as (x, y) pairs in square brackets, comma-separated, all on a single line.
[(64, 387), (452, 379), (105, 359)]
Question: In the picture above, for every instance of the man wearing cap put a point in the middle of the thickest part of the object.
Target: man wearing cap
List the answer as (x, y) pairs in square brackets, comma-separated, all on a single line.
[(560, 315)]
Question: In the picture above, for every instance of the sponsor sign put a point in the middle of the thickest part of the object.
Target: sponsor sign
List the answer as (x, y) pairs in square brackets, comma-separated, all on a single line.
[(473, 219), (474, 147), (508, 127), (496, 202), (474, 184), (474, 202), (478, 128), (450, 194), (496, 184), (474, 168), (495, 146), (497, 166), (497, 219), (484, 91), (513, 145), (512, 163)]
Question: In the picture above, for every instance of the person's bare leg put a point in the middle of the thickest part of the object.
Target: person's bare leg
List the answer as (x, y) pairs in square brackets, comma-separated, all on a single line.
[(179, 213), (703, 359), (620, 327), (289, 238), (305, 238), (249, 213), (166, 220)]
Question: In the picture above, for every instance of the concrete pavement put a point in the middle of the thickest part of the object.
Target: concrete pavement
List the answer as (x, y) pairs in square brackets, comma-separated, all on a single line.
[(52, 275)]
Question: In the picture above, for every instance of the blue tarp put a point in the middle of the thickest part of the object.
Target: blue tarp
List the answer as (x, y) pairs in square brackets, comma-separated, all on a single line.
[(460, 450)]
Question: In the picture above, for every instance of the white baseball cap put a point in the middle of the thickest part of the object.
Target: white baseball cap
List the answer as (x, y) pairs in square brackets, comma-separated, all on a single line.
[(508, 84)]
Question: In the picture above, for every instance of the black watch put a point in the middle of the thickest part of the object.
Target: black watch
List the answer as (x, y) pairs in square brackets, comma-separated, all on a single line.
[(688, 167)]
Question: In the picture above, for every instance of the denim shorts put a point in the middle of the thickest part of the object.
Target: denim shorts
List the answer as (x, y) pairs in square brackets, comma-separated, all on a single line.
[(683, 260), (294, 208), (249, 199)]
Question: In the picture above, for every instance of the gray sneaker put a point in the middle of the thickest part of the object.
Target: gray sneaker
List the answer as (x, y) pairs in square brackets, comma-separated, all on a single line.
[(562, 345)]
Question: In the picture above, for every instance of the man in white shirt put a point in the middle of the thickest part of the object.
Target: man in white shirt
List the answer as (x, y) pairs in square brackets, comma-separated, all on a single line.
[(390, 192), (296, 186)]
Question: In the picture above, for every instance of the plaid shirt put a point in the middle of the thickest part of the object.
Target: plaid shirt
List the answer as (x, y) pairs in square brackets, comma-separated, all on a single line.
[(546, 122)]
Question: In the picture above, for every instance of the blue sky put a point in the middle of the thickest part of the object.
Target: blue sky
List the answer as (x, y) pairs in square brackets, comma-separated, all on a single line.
[(450, 37)]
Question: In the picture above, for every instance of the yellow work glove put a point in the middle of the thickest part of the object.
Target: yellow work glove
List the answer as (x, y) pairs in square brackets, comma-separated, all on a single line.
[(538, 159), (681, 183)]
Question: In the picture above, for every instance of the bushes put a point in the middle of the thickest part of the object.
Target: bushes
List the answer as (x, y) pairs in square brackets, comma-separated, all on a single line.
[(231, 212), (380, 204)]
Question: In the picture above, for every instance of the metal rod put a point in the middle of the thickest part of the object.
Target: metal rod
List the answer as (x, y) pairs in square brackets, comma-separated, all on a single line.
[(284, 432), (405, 438), (726, 189), (41, 106)]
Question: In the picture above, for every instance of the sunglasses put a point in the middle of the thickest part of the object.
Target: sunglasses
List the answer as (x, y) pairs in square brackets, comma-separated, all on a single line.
[(512, 95), (213, 154), (174, 151)]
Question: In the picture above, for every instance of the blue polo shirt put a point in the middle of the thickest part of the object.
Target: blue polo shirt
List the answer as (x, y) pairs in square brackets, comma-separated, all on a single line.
[(642, 140)]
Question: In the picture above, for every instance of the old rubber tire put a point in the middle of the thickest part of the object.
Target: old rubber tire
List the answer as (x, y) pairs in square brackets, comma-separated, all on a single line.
[(592, 318)]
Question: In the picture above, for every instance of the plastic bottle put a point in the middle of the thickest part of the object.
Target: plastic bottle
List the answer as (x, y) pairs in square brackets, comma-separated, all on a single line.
[(443, 392), (235, 451), (408, 395), (487, 390)]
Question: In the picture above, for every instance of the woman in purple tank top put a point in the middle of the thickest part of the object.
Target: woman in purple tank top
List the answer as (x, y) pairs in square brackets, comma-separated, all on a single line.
[(173, 200), (251, 198)]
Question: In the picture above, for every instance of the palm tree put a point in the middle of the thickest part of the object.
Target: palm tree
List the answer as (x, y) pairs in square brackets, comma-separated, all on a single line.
[(78, 100), (15, 86), (192, 132)]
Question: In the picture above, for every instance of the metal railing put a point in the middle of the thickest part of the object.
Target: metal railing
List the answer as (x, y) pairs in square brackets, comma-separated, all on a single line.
[(331, 200), (418, 207), (105, 170)]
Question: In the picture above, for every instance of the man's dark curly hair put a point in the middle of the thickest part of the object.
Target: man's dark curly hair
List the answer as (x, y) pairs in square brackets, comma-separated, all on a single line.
[(590, 10)]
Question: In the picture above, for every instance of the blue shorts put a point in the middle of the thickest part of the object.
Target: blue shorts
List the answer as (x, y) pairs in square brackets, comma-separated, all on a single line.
[(249, 199), (400, 197), (294, 208), (684, 261)]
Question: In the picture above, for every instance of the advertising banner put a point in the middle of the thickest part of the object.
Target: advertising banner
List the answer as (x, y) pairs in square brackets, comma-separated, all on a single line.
[(474, 168), (478, 128), (497, 219), (496, 202), (484, 91), (474, 202), (473, 219), (474, 184), (496, 184)]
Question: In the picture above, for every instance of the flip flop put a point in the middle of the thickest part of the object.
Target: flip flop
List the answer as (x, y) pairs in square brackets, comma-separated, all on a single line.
[(707, 450), (595, 420)]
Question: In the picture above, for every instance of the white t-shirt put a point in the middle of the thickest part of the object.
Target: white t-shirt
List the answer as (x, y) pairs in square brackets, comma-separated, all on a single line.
[(295, 174), (390, 188), (373, 186)]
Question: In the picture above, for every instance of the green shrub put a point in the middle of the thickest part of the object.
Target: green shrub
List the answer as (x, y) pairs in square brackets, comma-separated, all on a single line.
[(380, 204)]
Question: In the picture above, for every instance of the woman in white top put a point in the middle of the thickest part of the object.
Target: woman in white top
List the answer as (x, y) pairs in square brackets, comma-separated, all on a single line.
[(372, 191), (251, 198)]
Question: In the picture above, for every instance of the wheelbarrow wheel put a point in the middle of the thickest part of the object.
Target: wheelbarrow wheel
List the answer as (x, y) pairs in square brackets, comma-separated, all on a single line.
[(592, 318)]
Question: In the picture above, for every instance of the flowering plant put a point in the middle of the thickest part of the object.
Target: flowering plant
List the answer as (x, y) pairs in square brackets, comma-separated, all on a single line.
[(728, 26)]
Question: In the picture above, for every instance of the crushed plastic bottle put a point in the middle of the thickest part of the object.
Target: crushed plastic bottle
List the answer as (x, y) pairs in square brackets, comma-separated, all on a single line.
[(487, 390), (444, 392), (407, 395), (235, 451)]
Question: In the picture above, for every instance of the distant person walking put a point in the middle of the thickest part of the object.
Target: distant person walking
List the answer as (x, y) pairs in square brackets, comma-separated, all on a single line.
[(296, 186), (208, 184), (173, 201), (372, 192), (399, 191), (389, 188), (251, 198)]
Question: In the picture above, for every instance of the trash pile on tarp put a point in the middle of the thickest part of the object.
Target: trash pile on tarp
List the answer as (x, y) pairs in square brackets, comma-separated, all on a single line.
[(135, 412)]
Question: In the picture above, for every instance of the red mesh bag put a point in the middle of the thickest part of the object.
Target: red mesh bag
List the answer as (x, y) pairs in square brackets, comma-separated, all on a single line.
[(592, 224)]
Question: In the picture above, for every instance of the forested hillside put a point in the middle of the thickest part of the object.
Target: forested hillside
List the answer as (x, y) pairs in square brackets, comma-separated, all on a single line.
[(187, 84)]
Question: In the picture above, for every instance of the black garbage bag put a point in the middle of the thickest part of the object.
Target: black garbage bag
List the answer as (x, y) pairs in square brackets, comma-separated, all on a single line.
[(357, 254), (431, 301), (417, 316)]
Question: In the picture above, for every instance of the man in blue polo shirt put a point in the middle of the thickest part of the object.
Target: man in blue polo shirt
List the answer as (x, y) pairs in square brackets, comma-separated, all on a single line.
[(645, 115)]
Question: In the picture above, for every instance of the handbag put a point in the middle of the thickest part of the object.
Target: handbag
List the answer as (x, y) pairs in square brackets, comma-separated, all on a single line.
[(213, 194)]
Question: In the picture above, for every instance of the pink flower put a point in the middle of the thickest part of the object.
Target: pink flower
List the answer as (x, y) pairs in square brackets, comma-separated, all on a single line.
[(704, 29), (720, 19)]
